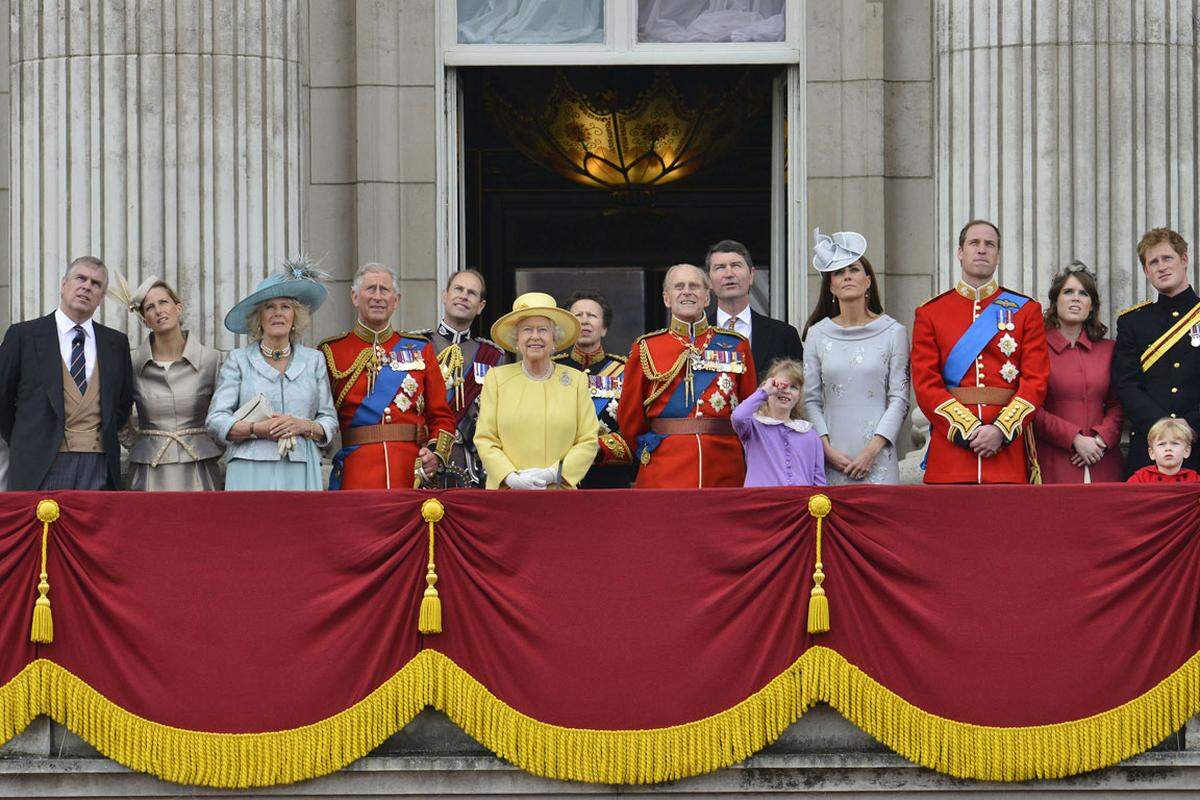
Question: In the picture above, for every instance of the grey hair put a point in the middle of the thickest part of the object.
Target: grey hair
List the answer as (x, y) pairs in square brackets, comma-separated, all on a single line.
[(91, 261), (374, 266), (703, 274), (560, 335), (300, 323)]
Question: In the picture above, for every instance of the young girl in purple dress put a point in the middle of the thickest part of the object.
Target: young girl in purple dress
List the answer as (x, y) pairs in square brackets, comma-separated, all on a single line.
[(781, 448)]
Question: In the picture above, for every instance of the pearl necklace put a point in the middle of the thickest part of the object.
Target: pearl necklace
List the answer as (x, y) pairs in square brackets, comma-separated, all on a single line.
[(275, 355), (533, 377)]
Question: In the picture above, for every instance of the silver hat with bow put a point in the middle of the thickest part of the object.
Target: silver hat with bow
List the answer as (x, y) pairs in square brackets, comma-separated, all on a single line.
[(831, 253)]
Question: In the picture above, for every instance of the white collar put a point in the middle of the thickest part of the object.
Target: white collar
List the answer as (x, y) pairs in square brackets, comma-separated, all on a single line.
[(723, 318), (798, 425), (65, 324), (455, 336)]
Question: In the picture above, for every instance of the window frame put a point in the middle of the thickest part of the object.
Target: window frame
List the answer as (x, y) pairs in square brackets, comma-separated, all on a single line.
[(620, 45), (789, 299)]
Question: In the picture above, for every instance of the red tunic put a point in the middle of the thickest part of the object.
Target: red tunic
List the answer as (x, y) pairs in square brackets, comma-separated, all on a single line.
[(686, 461), (422, 401), (1151, 474), (1024, 368)]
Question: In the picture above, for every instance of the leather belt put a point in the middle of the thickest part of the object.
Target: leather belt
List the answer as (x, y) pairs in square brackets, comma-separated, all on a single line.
[(982, 395), (713, 426), (385, 432)]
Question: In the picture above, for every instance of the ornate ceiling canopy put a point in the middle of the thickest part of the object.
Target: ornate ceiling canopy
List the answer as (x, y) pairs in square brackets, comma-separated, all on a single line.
[(626, 140)]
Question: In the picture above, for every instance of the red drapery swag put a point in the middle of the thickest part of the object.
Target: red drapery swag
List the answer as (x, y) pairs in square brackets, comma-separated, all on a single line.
[(238, 639)]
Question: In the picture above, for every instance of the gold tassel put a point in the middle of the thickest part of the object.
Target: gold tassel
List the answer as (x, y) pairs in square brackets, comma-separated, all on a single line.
[(1031, 457), (430, 620), (451, 361), (818, 603), (42, 630)]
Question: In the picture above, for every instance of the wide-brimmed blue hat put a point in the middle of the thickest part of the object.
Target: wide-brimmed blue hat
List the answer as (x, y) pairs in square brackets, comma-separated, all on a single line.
[(299, 279)]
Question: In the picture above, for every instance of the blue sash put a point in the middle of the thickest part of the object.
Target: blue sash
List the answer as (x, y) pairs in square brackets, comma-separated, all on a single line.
[(976, 337), (677, 406), (370, 410)]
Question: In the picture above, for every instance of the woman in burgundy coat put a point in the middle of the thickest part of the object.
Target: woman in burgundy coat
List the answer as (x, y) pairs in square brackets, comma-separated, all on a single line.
[(1079, 427)]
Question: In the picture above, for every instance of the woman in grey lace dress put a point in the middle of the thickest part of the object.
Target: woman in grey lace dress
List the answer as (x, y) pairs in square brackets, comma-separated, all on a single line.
[(855, 367)]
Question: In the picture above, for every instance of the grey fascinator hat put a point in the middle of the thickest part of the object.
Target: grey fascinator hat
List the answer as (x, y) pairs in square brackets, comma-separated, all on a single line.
[(831, 253)]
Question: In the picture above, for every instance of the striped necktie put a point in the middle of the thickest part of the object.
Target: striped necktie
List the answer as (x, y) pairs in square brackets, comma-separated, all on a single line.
[(78, 363)]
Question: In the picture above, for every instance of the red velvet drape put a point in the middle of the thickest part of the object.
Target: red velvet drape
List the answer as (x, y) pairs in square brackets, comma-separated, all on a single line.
[(238, 612)]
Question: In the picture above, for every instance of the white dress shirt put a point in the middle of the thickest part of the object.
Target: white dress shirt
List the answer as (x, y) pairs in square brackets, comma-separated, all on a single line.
[(66, 337), (737, 324)]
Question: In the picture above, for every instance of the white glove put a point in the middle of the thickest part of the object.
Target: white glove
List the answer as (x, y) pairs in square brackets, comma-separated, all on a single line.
[(547, 475), (286, 444), (522, 479)]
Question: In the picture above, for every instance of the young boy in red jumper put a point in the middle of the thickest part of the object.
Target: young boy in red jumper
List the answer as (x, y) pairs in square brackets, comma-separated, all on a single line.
[(1169, 441)]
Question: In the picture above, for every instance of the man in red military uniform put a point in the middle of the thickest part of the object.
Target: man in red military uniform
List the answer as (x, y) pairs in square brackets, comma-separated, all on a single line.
[(979, 371), (681, 384), (389, 393)]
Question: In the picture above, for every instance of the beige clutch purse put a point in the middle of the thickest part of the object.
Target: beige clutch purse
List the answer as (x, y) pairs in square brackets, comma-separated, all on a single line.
[(256, 409)]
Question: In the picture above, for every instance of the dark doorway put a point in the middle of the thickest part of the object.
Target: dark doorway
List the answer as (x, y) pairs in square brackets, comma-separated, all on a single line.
[(529, 228)]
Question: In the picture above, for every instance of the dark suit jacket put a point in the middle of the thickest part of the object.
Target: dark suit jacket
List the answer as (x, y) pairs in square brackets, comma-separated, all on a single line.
[(31, 398), (771, 339)]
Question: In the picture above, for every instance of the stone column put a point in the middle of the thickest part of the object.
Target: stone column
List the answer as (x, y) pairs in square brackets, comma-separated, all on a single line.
[(164, 137), (1073, 125)]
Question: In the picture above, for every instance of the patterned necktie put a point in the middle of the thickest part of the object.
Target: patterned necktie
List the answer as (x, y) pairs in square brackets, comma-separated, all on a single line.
[(78, 363)]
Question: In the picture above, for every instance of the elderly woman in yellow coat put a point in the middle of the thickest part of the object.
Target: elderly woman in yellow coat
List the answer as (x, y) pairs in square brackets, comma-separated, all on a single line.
[(537, 423)]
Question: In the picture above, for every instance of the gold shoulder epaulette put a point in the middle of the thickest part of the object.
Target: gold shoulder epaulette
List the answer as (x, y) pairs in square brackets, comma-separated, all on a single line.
[(936, 296), (1133, 307), (332, 339), (561, 356), (648, 334), (615, 357), (422, 334), (489, 342), (1014, 291), (730, 332)]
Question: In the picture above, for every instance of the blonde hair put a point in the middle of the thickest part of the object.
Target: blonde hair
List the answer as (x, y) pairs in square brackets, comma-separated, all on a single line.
[(166, 287), (1167, 426), (793, 372), (303, 318)]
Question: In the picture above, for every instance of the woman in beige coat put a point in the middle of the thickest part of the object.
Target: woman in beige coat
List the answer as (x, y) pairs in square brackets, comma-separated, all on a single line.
[(174, 377)]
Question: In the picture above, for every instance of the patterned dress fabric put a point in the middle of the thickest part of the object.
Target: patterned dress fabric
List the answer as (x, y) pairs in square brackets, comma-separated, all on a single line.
[(855, 386)]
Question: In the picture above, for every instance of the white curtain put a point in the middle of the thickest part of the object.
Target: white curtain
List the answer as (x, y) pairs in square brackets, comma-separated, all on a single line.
[(710, 21), (530, 21)]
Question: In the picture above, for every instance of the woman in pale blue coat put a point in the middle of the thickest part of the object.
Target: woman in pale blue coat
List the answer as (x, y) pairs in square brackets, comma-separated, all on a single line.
[(279, 450)]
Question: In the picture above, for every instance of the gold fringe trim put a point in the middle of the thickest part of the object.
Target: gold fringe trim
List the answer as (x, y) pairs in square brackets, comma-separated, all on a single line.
[(243, 760)]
